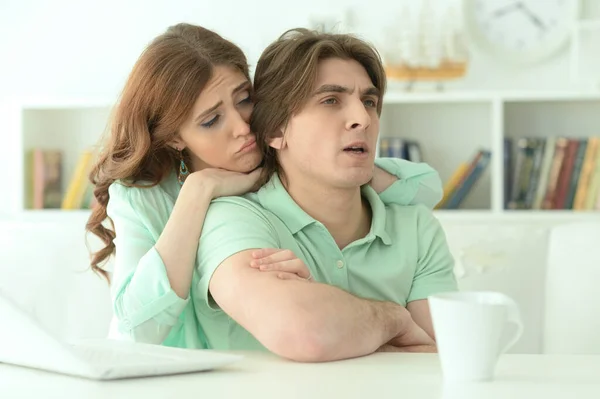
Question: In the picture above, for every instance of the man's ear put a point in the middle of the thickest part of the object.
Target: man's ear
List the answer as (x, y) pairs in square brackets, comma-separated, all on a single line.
[(278, 142)]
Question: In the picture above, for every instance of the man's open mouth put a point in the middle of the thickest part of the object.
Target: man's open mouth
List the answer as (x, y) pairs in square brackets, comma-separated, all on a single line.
[(356, 149)]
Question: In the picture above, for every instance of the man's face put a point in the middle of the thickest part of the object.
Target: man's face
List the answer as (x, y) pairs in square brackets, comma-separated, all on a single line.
[(332, 139)]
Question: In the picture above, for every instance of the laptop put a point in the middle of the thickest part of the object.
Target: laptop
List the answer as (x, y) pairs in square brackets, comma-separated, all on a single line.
[(23, 342)]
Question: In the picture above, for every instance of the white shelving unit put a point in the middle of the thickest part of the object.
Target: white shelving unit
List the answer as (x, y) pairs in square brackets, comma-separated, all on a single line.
[(69, 125), (450, 127)]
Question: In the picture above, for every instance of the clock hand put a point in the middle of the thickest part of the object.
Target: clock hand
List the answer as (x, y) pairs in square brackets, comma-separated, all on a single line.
[(534, 18), (506, 9)]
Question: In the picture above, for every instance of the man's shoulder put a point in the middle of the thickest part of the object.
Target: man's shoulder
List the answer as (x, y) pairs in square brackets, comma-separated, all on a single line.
[(246, 208), (246, 204)]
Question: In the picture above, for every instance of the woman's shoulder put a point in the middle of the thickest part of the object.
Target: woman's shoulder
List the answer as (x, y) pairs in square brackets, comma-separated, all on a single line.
[(144, 196)]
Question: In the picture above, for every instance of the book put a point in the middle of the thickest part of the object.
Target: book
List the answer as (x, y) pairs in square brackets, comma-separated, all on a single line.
[(557, 162), (542, 185), (452, 183), (475, 170), (565, 175), (587, 169), (74, 196), (578, 164), (43, 177)]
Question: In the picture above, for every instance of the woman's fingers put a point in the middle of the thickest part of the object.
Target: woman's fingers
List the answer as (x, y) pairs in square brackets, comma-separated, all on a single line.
[(290, 276), (261, 253), (268, 257), (283, 260), (295, 266)]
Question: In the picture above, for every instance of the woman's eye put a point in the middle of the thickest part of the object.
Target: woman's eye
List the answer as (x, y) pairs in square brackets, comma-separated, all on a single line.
[(211, 122), (330, 101)]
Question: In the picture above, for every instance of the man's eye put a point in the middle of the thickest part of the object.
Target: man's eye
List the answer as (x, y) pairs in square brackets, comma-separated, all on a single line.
[(330, 101), (247, 100)]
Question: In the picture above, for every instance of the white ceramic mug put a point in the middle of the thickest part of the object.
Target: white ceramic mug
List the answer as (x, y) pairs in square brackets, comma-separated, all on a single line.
[(471, 332)]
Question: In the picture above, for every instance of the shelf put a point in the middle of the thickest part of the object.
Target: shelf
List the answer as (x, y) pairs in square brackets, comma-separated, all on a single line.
[(393, 96), (448, 135), (524, 216), (449, 126)]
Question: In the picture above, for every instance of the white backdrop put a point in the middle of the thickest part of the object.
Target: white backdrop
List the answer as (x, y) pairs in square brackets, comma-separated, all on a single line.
[(86, 48)]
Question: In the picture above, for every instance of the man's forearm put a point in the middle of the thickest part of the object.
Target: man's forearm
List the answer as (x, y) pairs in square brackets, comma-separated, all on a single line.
[(300, 320), (340, 325)]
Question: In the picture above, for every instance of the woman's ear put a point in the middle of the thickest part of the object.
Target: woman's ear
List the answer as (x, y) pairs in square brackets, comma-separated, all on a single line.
[(177, 144)]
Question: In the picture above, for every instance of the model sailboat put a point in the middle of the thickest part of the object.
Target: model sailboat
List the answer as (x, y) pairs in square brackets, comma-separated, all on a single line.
[(427, 50)]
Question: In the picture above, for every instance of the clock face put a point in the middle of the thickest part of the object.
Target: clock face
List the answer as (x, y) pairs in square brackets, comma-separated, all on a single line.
[(520, 30)]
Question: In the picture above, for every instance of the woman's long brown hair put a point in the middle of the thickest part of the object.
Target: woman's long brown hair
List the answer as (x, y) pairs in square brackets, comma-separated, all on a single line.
[(157, 98)]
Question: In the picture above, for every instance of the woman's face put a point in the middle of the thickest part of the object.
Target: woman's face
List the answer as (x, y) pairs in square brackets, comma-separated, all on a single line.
[(217, 132)]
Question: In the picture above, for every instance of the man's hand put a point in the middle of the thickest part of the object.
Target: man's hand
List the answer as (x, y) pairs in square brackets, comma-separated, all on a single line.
[(408, 349), (412, 338)]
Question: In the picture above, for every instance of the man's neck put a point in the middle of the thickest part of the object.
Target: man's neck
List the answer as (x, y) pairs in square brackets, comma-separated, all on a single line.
[(342, 211)]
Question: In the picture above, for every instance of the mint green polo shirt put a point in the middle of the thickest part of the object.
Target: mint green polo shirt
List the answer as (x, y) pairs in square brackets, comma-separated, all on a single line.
[(403, 258), (146, 309)]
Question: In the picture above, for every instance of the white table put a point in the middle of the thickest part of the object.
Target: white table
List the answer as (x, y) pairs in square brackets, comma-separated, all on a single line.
[(382, 375)]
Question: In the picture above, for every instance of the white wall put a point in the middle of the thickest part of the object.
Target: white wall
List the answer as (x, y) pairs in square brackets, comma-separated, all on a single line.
[(86, 48)]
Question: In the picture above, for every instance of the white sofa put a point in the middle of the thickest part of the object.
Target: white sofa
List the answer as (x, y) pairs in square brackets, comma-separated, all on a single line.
[(45, 267)]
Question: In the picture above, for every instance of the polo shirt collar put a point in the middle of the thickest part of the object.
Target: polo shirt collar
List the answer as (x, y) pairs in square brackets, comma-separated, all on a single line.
[(378, 215), (274, 197)]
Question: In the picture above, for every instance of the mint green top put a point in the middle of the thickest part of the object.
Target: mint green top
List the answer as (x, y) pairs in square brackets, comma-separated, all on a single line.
[(405, 248), (403, 258)]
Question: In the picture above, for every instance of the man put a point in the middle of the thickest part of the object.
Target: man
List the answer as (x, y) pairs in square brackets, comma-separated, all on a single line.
[(318, 101)]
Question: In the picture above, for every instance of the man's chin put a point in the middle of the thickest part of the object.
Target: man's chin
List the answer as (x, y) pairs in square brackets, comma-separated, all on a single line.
[(359, 179)]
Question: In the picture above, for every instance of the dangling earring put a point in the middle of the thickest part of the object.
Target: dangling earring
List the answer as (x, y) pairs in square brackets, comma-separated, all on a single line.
[(183, 169)]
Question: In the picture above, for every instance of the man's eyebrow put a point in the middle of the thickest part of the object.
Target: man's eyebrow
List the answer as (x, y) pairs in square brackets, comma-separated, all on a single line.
[(332, 89), (237, 89), (240, 87), (371, 91)]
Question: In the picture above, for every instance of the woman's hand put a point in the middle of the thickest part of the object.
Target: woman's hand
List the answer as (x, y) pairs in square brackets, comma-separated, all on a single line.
[(283, 261), (381, 180), (222, 183)]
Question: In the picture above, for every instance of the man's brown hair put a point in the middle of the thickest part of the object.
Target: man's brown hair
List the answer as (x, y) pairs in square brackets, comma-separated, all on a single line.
[(285, 77)]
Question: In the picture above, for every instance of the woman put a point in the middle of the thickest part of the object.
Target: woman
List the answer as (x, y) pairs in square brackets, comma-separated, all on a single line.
[(179, 138)]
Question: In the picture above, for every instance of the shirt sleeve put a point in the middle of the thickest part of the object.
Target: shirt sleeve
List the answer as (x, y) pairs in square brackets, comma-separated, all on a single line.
[(435, 263), (231, 225), (418, 183), (144, 305)]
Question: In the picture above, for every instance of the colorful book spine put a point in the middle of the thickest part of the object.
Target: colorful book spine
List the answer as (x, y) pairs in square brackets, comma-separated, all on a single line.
[(555, 168), (74, 196), (482, 160), (575, 174)]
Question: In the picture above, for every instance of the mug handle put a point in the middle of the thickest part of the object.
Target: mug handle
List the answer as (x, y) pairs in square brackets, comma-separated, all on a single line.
[(513, 317)]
